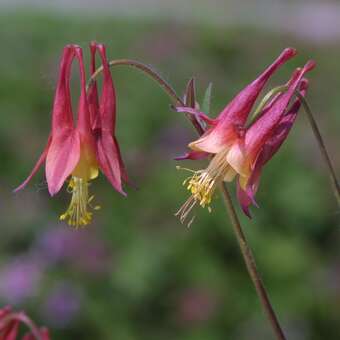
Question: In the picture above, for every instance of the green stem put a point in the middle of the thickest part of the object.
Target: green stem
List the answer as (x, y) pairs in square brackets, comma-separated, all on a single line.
[(242, 241), (251, 264)]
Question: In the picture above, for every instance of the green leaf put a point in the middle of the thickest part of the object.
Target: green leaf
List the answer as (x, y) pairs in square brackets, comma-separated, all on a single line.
[(207, 99)]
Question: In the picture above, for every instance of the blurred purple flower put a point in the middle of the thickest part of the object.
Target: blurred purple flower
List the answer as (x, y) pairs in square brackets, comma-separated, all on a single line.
[(19, 279), (62, 305), (83, 250), (196, 305)]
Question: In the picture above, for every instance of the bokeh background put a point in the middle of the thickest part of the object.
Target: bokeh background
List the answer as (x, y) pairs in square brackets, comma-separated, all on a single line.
[(136, 272)]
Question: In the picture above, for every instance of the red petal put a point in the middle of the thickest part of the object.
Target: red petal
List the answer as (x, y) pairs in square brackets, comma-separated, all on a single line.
[(283, 128), (5, 311), (262, 129), (215, 140), (92, 93), (247, 197), (62, 116), (44, 333), (197, 114), (108, 96), (123, 171), (84, 123), (108, 159), (193, 155), (36, 167), (239, 108), (11, 330), (62, 157), (237, 111)]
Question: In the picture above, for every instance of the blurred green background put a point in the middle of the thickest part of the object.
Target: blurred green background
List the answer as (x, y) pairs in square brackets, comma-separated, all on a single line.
[(136, 272)]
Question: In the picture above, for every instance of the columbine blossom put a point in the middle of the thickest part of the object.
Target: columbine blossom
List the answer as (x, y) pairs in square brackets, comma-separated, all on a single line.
[(10, 322), (236, 149), (8, 326), (73, 150)]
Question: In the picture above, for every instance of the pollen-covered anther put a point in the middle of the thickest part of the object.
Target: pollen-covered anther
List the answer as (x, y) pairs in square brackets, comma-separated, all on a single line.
[(78, 214), (202, 184)]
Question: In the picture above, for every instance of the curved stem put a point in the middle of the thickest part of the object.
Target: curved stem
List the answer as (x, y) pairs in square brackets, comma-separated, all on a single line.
[(251, 264), (322, 147), (148, 70), (242, 241)]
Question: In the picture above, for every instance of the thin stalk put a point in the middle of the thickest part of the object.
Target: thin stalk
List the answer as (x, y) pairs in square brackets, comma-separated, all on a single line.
[(237, 228), (322, 147), (149, 71), (251, 264)]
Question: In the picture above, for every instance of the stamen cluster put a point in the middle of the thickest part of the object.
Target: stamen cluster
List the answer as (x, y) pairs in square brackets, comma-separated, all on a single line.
[(77, 214)]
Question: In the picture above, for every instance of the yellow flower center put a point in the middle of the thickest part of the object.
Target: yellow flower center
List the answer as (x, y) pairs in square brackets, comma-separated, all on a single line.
[(202, 184), (79, 212)]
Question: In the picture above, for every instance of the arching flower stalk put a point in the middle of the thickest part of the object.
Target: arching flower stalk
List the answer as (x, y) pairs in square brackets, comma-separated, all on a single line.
[(77, 151), (241, 151)]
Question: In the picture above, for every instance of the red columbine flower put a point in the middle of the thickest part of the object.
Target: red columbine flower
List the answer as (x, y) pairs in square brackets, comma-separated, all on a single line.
[(233, 147), (10, 322), (72, 149), (8, 326)]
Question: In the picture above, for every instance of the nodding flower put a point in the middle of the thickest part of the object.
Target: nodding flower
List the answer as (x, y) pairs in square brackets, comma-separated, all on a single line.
[(74, 151), (239, 150), (10, 322)]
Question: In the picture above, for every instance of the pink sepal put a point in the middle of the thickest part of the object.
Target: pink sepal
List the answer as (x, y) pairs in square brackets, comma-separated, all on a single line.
[(197, 114), (246, 199), (193, 155), (109, 163), (62, 157), (37, 166)]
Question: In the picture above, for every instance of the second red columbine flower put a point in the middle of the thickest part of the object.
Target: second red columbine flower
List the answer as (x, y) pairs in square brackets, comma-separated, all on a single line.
[(236, 149), (78, 151)]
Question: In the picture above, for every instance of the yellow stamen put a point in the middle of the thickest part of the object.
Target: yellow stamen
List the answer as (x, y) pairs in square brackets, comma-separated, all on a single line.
[(202, 184), (78, 214)]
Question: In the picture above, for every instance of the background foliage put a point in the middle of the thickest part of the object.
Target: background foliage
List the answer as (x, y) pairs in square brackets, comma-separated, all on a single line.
[(136, 273)]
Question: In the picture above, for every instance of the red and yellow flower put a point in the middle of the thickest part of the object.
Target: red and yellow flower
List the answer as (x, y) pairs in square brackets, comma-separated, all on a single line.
[(238, 150), (10, 322), (78, 150)]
